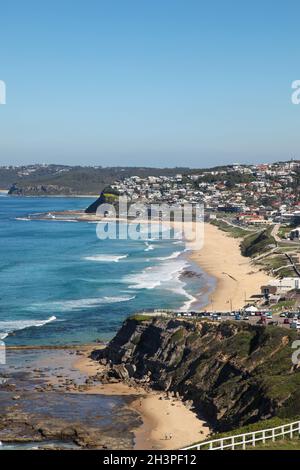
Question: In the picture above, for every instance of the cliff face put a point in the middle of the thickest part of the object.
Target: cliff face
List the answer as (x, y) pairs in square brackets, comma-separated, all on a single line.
[(40, 190), (234, 373), (107, 196)]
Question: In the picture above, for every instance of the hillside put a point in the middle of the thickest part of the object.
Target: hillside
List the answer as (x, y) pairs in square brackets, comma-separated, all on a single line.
[(233, 373), (43, 180), (257, 243)]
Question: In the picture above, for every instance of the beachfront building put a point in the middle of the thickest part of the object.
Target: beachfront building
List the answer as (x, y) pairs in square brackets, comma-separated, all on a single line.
[(294, 234), (280, 286)]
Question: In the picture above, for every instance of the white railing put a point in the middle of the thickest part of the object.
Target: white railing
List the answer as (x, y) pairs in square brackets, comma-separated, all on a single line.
[(240, 441)]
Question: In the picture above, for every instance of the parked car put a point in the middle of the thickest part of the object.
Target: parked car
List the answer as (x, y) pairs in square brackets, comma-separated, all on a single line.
[(217, 316), (246, 317), (286, 321), (282, 315), (237, 316)]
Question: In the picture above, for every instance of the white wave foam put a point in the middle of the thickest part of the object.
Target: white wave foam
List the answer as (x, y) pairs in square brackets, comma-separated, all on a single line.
[(67, 220), (24, 219), (8, 327), (68, 305), (155, 276), (180, 289), (172, 256), (106, 258), (165, 275), (148, 247)]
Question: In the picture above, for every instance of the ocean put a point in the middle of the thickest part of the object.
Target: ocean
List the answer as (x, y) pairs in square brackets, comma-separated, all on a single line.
[(60, 284)]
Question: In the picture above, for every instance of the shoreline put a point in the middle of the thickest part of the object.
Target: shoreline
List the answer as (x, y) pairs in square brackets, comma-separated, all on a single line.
[(167, 424), (163, 421), (237, 279), (69, 196)]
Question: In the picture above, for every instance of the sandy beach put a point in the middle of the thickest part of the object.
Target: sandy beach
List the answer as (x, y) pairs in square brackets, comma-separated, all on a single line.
[(167, 422), (237, 279)]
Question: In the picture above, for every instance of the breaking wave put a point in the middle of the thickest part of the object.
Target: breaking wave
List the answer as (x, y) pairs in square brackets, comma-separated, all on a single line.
[(172, 256), (105, 258), (9, 327), (148, 247), (79, 304), (165, 275)]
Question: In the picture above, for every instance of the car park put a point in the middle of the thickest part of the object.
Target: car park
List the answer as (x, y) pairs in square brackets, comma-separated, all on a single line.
[(295, 324)]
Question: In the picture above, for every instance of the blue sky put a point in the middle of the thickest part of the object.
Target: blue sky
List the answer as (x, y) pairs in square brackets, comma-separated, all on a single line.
[(154, 83)]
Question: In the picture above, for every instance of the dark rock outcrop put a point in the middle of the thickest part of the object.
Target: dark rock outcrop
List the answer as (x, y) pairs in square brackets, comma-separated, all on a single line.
[(92, 209), (40, 190), (107, 196), (233, 373)]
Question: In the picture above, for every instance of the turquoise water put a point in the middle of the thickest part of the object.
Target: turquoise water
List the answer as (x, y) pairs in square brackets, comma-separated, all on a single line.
[(60, 284)]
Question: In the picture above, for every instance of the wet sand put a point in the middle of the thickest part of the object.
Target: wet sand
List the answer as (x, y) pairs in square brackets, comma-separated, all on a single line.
[(167, 422), (44, 401)]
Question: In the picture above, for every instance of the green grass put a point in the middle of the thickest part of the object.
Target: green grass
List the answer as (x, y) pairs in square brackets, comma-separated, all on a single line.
[(283, 231), (288, 246), (259, 426), (257, 243), (281, 306), (275, 262), (278, 261), (235, 232), (282, 444), (109, 197), (178, 336), (286, 272), (140, 317)]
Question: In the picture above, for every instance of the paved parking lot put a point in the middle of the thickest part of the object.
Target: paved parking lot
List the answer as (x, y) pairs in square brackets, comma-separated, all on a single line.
[(255, 319)]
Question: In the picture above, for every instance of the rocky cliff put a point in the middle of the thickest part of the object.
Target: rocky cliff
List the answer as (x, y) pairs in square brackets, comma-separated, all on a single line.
[(107, 196), (233, 373), (40, 190)]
